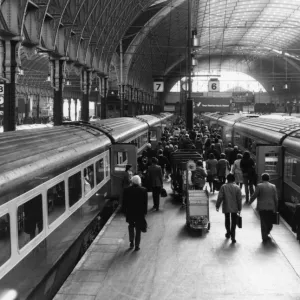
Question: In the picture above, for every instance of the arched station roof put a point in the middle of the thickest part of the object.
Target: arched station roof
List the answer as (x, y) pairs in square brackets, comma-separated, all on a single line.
[(260, 37)]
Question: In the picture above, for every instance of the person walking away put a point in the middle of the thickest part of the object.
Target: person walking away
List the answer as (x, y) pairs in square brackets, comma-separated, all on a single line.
[(230, 196), (233, 155), (247, 166), (155, 178), (135, 208), (163, 162), (222, 168), (211, 168), (237, 171), (228, 151), (199, 145), (215, 152), (267, 204), (199, 175)]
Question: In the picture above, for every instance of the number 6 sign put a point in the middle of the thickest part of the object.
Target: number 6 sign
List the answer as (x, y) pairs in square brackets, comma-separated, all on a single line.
[(214, 86), (158, 86)]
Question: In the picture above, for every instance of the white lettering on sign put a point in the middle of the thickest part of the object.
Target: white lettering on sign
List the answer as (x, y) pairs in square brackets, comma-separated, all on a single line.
[(158, 86), (1, 89), (214, 86)]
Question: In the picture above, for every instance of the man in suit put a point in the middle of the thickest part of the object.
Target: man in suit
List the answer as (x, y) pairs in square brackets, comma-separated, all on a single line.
[(231, 197), (135, 202), (267, 204), (155, 177)]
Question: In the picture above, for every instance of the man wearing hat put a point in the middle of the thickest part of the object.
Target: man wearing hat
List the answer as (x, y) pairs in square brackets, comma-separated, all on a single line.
[(135, 203)]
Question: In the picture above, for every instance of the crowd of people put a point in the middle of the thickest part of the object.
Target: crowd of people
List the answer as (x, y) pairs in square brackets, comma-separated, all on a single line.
[(218, 163)]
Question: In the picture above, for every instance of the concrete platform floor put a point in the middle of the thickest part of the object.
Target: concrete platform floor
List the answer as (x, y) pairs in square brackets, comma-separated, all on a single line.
[(177, 264)]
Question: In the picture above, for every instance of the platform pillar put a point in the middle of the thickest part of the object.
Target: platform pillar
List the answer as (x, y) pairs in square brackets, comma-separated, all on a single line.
[(8, 74), (104, 99), (57, 75), (86, 89)]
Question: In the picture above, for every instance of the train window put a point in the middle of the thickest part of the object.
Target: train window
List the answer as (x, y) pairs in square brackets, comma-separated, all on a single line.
[(153, 135), (88, 179), (124, 157), (107, 169), (144, 139), (5, 251), (30, 220), (237, 138), (99, 170), (75, 192), (56, 201), (292, 169)]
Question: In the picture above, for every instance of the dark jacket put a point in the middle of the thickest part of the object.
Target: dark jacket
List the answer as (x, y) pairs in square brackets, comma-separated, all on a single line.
[(155, 176), (135, 203), (247, 166)]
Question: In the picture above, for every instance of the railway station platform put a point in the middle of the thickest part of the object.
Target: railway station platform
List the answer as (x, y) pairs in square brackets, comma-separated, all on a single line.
[(177, 263)]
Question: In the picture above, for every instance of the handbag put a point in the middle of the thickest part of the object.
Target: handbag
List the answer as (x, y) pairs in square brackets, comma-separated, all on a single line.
[(163, 193), (275, 218), (239, 221)]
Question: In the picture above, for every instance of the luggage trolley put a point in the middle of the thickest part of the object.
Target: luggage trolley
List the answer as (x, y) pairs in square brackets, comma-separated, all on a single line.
[(197, 206)]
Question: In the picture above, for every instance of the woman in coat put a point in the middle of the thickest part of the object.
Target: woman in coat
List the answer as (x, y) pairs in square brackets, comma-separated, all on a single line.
[(199, 176), (248, 169), (237, 171), (223, 168), (211, 168)]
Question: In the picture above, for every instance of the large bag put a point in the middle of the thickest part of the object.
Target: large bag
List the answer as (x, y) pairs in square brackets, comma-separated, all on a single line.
[(163, 193), (217, 184), (143, 225), (239, 221), (275, 218)]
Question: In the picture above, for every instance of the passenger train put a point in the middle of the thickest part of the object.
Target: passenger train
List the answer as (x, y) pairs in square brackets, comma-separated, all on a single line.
[(274, 143), (55, 186)]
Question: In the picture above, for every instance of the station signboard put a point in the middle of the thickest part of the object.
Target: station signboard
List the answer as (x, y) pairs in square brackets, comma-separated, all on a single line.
[(158, 86), (214, 85), (211, 104)]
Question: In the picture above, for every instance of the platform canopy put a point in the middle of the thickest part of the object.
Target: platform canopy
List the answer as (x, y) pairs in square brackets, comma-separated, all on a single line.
[(258, 37)]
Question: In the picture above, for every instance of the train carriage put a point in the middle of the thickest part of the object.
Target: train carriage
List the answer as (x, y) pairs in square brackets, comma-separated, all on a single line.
[(56, 186)]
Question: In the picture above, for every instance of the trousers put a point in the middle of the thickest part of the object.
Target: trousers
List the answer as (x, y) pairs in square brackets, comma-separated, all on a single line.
[(156, 195), (266, 222), (248, 186), (134, 233), (230, 228)]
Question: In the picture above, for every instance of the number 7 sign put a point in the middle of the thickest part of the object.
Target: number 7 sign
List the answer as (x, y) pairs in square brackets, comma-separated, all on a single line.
[(158, 86)]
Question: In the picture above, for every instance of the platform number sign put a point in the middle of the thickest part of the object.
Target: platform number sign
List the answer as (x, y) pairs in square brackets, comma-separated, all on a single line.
[(214, 86), (1, 89), (158, 86)]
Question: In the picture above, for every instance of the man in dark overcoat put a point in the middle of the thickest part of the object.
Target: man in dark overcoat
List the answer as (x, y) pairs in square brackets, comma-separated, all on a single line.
[(135, 201), (155, 177)]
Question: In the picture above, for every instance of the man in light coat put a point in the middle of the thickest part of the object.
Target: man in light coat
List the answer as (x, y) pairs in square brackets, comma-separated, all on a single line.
[(267, 204), (230, 196)]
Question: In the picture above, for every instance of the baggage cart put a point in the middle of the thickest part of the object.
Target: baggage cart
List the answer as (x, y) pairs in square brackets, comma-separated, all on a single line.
[(197, 210)]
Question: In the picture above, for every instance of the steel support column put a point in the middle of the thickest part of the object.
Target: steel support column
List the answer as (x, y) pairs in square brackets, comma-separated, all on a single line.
[(69, 108), (10, 64), (86, 85), (189, 100), (57, 81), (104, 99)]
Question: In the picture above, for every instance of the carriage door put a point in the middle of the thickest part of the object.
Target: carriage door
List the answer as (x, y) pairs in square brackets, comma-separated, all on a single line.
[(121, 155), (269, 160), (155, 135)]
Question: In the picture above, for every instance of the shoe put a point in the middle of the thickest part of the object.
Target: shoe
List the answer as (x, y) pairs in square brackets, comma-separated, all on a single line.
[(154, 207), (227, 235), (233, 241), (137, 248), (157, 209), (131, 245), (266, 239)]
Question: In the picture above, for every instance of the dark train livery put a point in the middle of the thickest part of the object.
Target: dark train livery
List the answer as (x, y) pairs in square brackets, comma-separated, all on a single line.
[(55, 186), (274, 143)]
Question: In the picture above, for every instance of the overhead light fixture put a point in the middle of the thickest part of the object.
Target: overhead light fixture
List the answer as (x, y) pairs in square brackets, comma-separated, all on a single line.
[(96, 89), (285, 86), (48, 78), (68, 82), (273, 87)]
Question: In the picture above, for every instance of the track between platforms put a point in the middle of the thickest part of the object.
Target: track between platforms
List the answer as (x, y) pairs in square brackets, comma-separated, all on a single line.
[(176, 263)]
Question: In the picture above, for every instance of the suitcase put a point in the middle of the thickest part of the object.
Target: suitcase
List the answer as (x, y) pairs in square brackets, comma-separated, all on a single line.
[(217, 184)]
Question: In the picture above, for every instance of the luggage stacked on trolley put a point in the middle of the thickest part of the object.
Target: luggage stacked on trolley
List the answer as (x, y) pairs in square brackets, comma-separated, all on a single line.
[(197, 209), (179, 172)]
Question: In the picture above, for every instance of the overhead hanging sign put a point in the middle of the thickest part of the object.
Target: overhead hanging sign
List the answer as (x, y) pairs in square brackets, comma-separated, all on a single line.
[(1, 89), (214, 85), (158, 86)]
